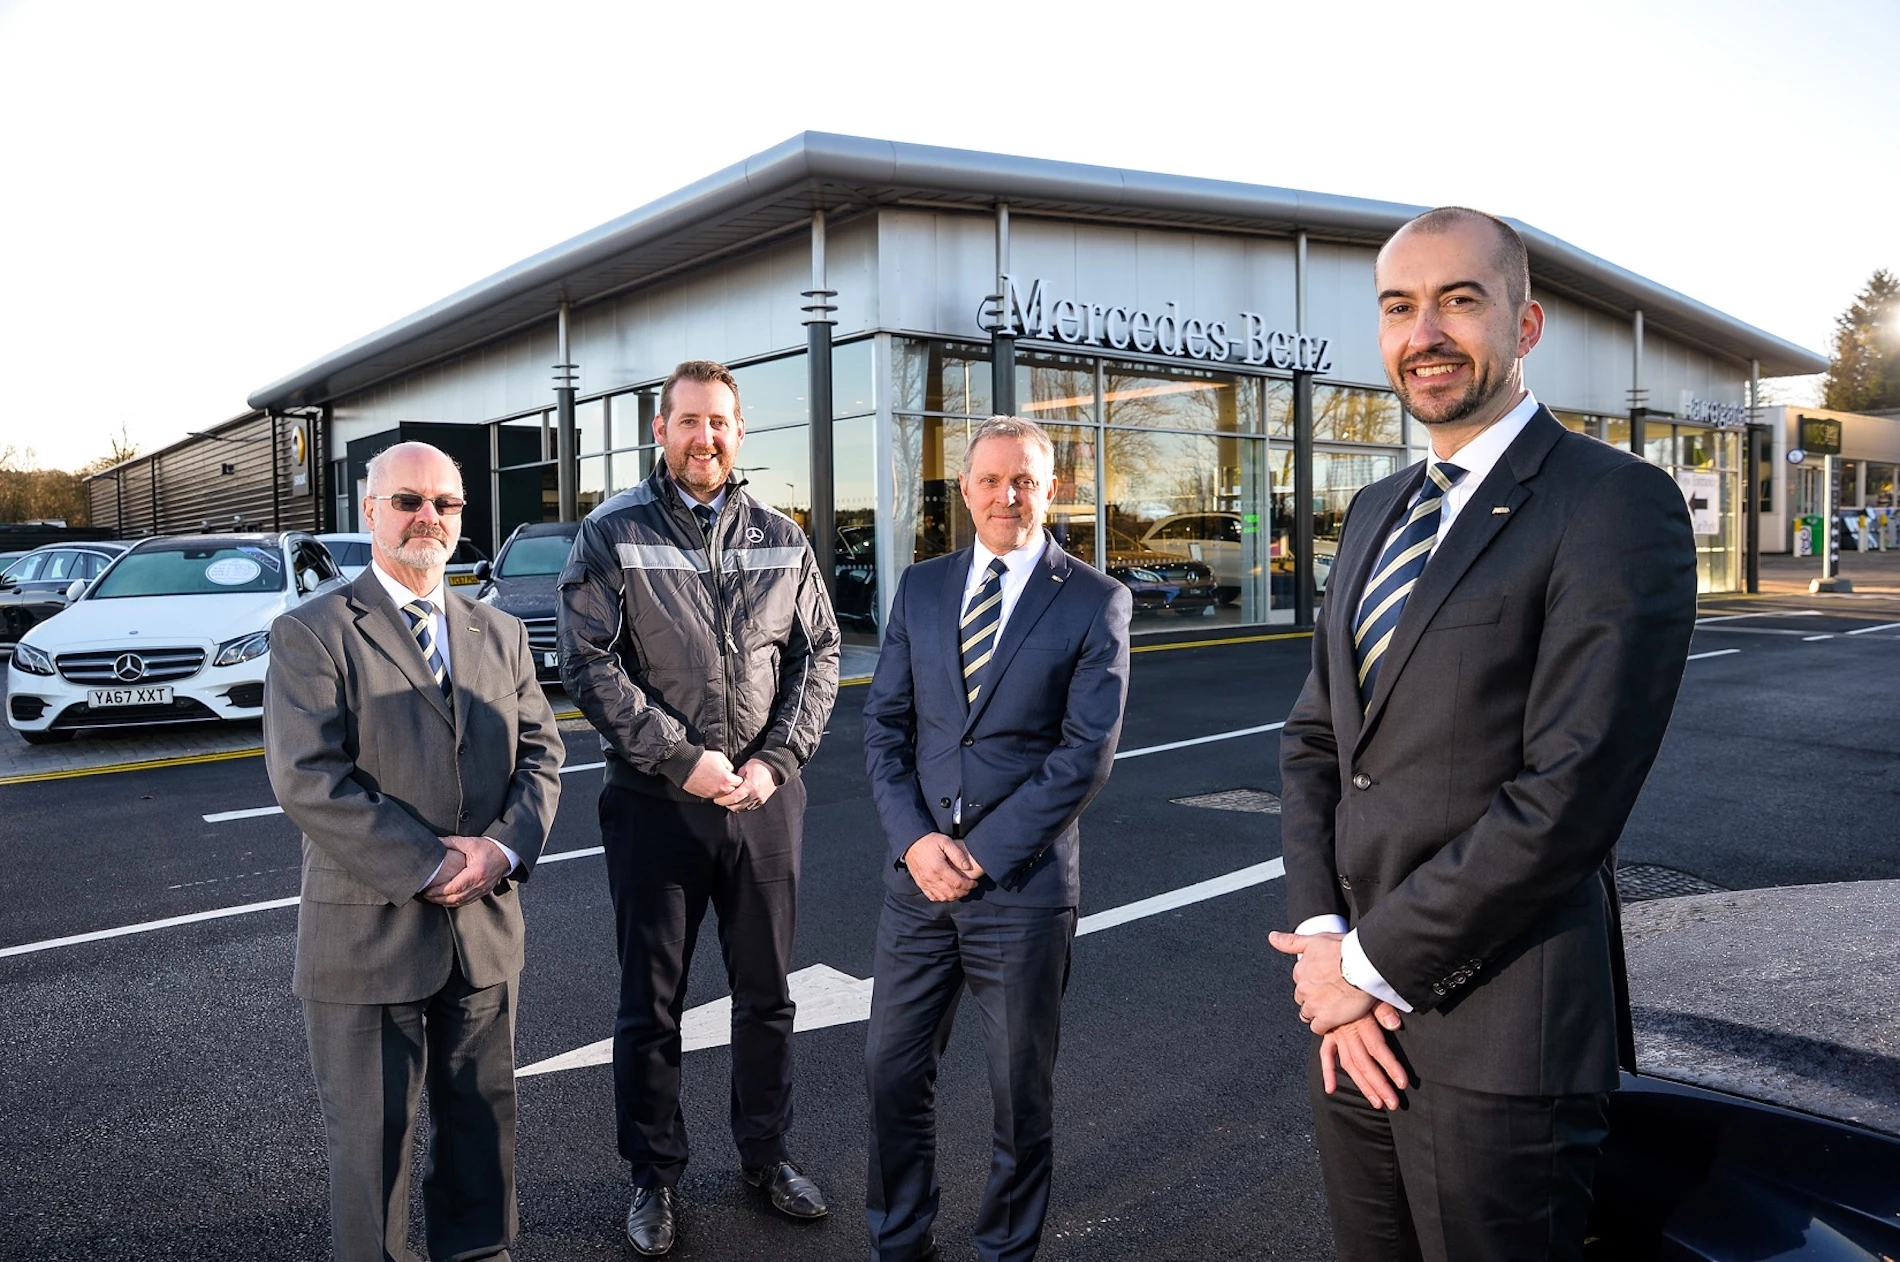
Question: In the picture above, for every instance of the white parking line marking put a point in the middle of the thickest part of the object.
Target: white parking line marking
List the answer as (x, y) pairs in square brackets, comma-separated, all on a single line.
[(1809, 639), (1765, 613), (827, 997), (148, 926), (1201, 740), (1885, 626), (1696, 657)]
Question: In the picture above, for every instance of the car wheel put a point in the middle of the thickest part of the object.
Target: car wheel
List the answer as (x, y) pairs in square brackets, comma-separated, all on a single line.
[(46, 738)]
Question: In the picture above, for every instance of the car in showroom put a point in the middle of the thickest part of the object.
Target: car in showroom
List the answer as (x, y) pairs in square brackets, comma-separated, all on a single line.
[(521, 581), (1161, 582), (351, 549), (33, 585), (177, 630)]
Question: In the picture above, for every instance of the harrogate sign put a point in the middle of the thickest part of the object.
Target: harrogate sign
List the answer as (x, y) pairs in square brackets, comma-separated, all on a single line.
[(1165, 332)]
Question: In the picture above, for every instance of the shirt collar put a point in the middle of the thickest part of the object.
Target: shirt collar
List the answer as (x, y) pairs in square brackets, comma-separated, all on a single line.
[(1479, 456), (399, 593), (1014, 561)]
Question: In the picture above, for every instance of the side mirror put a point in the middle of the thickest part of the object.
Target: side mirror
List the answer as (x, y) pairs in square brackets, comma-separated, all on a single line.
[(75, 590), (308, 581), (484, 571)]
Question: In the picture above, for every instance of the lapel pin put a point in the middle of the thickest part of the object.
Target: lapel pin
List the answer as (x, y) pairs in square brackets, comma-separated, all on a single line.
[(1498, 510)]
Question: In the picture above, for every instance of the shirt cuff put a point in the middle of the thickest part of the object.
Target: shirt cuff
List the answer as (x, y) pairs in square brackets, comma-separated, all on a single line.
[(1359, 972), (431, 881), (514, 860), (1329, 923)]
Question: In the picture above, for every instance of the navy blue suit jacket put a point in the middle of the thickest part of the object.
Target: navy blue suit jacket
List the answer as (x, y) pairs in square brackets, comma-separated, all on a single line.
[(1035, 747)]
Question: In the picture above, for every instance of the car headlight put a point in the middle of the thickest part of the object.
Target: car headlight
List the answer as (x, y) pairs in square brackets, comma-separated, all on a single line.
[(242, 649), (32, 660)]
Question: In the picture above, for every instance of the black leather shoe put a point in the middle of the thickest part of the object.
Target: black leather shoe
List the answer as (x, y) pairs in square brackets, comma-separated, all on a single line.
[(650, 1223), (793, 1195)]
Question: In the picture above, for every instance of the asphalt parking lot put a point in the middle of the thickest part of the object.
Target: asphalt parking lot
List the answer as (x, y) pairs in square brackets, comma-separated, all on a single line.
[(160, 1104)]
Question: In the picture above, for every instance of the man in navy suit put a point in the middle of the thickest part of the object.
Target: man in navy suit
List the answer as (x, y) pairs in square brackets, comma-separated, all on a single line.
[(1503, 638), (991, 723)]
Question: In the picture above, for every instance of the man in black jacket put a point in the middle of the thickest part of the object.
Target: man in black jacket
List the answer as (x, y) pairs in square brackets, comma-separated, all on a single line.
[(697, 636)]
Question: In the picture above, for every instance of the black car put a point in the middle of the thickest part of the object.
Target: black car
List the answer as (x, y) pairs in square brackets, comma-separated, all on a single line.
[(33, 588), (521, 581), (1162, 583)]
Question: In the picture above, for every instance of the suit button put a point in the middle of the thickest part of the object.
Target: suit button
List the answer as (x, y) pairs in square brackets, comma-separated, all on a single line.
[(969, 740), (1345, 882), (1362, 781), (463, 817), (462, 748), (944, 803)]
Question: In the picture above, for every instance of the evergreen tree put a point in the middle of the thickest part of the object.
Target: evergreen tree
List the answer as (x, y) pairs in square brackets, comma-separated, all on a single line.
[(1865, 375)]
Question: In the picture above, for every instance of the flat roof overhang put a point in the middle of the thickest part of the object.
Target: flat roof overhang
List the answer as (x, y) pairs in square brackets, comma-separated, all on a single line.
[(774, 193)]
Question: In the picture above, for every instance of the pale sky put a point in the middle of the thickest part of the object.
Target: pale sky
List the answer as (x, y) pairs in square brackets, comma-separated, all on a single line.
[(201, 197)]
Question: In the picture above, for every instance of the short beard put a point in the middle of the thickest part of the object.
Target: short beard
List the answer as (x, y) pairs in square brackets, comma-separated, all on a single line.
[(421, 552), (681, 473), (1476, 395)]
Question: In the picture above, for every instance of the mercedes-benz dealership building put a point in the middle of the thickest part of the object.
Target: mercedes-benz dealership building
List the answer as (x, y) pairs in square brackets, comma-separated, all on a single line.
[(1204, 353)]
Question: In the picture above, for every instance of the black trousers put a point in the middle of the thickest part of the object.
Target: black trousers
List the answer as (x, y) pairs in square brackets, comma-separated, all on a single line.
[(371, 1061), (666, 861), (1456, 1175), (1015, 961)]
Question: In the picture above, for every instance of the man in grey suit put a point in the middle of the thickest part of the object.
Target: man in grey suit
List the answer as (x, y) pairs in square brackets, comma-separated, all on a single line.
[(406, 736), (992, 722), (1493, 672)]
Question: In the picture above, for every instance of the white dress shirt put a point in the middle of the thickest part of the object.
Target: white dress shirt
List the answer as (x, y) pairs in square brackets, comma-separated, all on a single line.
[(1477, 458), (438, 627)]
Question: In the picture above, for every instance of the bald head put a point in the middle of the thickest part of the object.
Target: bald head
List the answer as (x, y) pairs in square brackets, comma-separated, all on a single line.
[(412, 546), (388, 467), (1509, 257)]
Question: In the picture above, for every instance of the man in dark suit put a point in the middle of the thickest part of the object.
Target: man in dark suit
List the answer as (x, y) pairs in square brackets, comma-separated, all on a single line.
[(992, 722), (406, 736), (1492, 674)]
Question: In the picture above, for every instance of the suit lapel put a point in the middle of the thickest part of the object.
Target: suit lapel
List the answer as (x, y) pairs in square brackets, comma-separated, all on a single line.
[(1477, 525), (465, 653), (382, 624), (1045, 581), (1351, 572)]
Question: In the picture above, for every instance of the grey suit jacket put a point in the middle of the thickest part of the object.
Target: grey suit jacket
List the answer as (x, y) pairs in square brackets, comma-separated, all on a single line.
[(369, 761), (1034, 749), (1464, 822)]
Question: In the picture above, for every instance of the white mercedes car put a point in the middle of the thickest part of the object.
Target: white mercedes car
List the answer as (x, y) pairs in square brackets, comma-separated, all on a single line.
[(177, 630)]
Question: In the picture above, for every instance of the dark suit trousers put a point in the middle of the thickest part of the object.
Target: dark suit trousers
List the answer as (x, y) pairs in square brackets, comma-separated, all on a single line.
[(666, 861), (1457, 1175), (370, 1062), (1015, 961)]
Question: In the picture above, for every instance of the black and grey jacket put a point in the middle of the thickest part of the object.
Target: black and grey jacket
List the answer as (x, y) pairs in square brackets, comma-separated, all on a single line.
[(673, 643)]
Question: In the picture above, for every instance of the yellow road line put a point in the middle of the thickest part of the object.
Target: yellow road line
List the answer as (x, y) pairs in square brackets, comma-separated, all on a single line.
[(1234, 639), (150, 764)]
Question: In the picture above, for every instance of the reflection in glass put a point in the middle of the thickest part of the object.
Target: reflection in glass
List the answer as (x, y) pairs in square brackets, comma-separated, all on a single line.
[(590, 426), (632, 417), (524, 495), (1192, 496), (777, 468), (520, 441), (1350, 414), (1279, 405), (630, 468), (853, 383), (1337, 477), (591, 489), (774, 393), (941, 377), (1179, 398), (1051, 389), (930, 517), (1616, 431), (854, 500)]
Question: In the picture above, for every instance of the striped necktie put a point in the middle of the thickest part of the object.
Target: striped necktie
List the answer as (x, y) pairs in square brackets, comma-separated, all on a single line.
[(1397, 573), (422, 626), (979, 625), (706, 518)]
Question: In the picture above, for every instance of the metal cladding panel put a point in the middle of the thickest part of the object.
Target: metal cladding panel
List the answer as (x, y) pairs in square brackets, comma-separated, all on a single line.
[(1583, 362), (1342, 304), (1669, 368)]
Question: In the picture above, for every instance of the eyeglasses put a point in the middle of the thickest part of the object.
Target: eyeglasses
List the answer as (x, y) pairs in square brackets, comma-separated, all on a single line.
[(410, 502)]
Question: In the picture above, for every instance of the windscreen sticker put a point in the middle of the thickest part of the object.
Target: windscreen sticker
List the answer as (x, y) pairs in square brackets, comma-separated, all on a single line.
[(233, 571)]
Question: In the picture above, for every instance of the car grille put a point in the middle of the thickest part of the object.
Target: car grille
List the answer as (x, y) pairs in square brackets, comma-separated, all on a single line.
[(155, 666), (542, 635)]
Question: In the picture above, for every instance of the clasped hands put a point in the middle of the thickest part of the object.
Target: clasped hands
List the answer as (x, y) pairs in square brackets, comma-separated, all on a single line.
[(1351, 1023), (470, 869), (942, 866), (744, 789)]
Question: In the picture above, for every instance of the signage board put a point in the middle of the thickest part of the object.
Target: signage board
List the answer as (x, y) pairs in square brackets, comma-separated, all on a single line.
[(1703, 492), (297, 457), (1700, 411), (1820, 436), (1166, 330)]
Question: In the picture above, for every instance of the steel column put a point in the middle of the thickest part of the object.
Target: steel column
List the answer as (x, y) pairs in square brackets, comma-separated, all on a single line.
[(818, 325), (566, 459), (1002, 341)]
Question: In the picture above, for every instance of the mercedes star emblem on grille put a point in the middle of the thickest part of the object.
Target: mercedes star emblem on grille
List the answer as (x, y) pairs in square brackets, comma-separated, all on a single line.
[(128, 667)]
